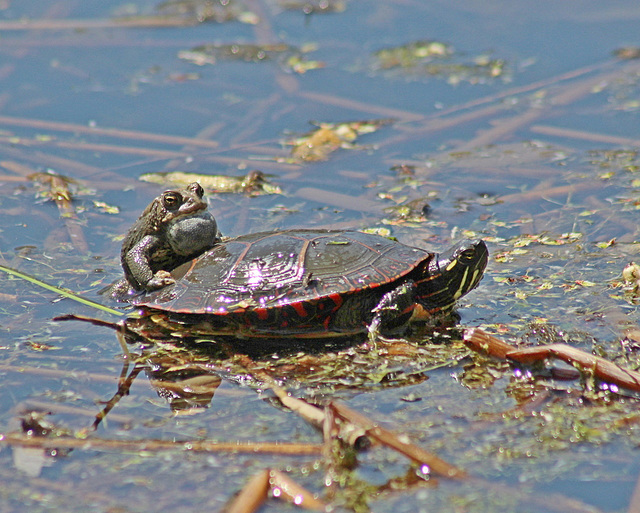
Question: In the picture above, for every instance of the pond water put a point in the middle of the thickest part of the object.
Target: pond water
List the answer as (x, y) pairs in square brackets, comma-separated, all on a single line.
[(513, 122)]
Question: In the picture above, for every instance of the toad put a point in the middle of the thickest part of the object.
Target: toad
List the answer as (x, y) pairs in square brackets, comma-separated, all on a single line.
[(175, 228)]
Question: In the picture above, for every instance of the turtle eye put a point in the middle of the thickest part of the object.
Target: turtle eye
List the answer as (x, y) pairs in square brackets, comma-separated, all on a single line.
[(467, 255), (172, 200)]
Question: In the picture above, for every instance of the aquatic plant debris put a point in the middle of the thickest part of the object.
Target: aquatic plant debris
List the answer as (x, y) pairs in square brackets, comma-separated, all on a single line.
[(627, 52), (254, 183), (328, 137), (288, 57), (314, 6), (438, 59), (219, 11), (631, 275), (62, 190)]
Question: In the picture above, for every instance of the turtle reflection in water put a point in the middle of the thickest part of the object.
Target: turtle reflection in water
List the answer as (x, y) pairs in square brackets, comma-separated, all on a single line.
[(291, 284)]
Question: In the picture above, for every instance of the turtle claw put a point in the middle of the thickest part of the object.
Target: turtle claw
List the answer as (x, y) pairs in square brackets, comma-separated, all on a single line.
[(376, 336), (374, 330)]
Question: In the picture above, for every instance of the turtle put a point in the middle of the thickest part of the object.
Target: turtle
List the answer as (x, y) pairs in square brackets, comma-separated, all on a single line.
[(301, 283), (316, 283)]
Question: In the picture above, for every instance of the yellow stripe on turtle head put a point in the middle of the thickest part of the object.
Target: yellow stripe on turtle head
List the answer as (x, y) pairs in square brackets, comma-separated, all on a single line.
[(462, 288)]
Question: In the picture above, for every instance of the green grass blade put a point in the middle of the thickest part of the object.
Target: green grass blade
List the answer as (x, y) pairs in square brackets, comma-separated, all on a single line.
[(63, 292)]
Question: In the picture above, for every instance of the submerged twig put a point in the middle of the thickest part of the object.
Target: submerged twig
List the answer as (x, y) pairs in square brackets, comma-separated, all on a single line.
[(514, 91), (568, 94), (75, 128), (49, 161), (281, 486), (385, 437), (312, 414), (253, 495), (346, 103), (123, 389), (634, 502), (600, 368), (92, 320), (550, 192), (57, 373), (339, 200), (316, 417), (101, 444), (58, 408), (584, 135), (87, 24), (99, 147), (286, 488)]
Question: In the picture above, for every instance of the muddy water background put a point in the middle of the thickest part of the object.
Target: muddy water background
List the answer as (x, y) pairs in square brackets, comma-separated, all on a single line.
[(539, 161)]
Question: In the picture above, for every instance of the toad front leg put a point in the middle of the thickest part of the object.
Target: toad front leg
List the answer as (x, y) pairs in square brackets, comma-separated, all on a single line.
[(394, 310), (137, 264)]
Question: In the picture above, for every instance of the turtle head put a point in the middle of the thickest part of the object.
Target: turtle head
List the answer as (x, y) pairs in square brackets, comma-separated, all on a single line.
[(453, 274)]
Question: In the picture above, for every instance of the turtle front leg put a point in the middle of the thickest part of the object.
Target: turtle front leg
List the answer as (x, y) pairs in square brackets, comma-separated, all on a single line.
[(394, 310)]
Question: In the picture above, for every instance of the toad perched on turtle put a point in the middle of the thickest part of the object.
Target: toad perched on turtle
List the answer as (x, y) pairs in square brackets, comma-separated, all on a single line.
[(175, 228), (303, 283)]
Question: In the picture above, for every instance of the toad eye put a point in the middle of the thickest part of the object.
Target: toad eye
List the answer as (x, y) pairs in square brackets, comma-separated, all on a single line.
[(172, 200)]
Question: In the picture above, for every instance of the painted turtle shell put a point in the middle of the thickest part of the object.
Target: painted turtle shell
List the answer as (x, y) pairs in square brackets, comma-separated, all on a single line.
[(316, 283)]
